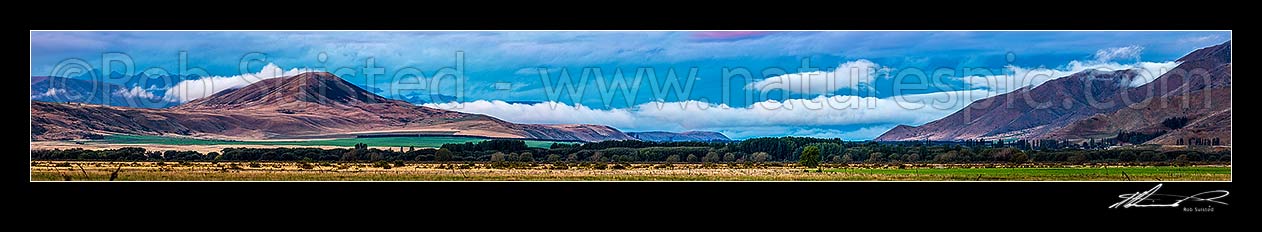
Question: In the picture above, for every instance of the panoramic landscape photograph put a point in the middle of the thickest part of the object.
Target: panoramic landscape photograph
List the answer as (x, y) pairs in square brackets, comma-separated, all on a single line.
[(630, 106)]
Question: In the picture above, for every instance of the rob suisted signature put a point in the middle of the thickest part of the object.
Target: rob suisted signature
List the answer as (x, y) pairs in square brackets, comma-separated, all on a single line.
[(1151, 198)]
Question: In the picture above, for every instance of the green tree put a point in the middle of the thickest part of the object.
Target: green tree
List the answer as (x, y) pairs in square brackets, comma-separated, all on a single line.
[(1127, 156), (672, 159), (1002, 154), (912, 158), (442, 154), (729, 157), (1020, 157), (947, 157), (214, 156), (809, 157), (760, 157), (498, 157), (846, 159), (351, 155), (828, 149), (712, 157), (692, 158), (875, 157), (526, 157), (554, 158)]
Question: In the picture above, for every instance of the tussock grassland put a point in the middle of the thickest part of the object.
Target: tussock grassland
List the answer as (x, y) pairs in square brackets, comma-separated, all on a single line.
[(296, 171)]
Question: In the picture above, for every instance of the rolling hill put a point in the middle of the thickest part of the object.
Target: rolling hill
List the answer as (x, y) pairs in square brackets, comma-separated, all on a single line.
[(1096, 105), (61, 89), (307, 105)]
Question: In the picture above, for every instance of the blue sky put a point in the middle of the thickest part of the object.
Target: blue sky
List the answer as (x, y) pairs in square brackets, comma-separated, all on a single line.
[(504, 65)]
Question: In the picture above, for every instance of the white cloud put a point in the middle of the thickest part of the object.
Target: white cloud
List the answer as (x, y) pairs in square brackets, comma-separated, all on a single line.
[(850, 75), (1149, 71), (818, 111), (819, 116), (771, 117), (135, 92), (865, 133), (1128, 52), (1019, 77), (189, 90), (49, 93), (546, 112)]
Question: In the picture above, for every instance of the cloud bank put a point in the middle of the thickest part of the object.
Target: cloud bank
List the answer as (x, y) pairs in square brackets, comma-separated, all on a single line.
[(804, 117), (850, 75), (135, 92), (1128, 52), (836, 116), (49, 93), (189, 90), (1019, 77)]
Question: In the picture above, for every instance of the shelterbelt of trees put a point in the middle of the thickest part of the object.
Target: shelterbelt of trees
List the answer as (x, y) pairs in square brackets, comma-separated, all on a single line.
[(808, 151)]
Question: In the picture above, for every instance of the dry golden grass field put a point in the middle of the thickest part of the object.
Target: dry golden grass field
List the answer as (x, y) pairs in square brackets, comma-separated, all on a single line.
[(293, 171)]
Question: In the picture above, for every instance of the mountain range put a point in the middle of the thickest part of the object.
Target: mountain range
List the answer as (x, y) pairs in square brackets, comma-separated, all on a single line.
[(1099, 105), (1193, 101), (687, 136), (307, 105), (61, 89)]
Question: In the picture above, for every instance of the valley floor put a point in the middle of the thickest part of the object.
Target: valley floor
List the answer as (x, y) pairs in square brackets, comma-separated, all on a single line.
[(158, 143), (291, 171)]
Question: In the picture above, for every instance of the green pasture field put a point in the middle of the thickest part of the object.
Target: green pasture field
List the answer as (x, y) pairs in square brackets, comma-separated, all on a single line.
[(425, 141)]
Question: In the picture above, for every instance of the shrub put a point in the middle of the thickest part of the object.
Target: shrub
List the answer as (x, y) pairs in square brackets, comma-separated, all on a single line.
[(498, 157), (1181, 160), (1127, 156), (381, 164), (1020, 158), (1077, 159)]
